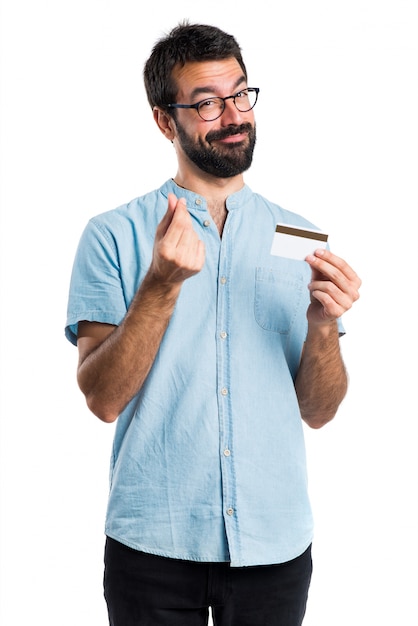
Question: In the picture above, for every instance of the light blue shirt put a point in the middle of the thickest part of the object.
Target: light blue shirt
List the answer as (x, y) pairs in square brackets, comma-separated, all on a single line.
[(208, 460)]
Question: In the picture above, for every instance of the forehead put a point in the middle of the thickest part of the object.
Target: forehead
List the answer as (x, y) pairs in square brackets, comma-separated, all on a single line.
[(212, 77)]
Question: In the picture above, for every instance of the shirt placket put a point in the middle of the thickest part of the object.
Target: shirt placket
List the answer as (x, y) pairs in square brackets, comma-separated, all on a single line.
[(219, 251), (225, 399)]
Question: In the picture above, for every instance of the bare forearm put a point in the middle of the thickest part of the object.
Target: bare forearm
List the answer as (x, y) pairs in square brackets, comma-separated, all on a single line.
[(116, 369), (321, 382)]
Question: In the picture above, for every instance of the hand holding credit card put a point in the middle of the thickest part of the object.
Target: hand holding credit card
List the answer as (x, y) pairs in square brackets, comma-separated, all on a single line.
[(294, 242)]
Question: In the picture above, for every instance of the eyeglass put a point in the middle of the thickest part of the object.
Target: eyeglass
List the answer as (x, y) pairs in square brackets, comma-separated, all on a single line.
[(212, 108)]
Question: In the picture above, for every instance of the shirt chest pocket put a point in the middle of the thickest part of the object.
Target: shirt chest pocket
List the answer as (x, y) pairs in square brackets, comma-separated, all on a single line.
[(280, 298)]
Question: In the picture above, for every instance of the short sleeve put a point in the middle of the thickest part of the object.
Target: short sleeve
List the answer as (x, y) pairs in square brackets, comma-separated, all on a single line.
[(96, 292)]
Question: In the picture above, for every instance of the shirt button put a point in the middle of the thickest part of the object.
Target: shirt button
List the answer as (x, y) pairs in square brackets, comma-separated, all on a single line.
[(224, 391), (223, 280), (227, 452), (198, 201), (223, 335), (206, 223), (230, 511)]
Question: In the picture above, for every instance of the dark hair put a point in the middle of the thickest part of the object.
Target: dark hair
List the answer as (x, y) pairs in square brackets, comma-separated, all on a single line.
[(185, 43)]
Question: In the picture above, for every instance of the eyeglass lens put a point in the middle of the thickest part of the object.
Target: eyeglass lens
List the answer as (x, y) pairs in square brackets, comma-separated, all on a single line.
[(212, 108)]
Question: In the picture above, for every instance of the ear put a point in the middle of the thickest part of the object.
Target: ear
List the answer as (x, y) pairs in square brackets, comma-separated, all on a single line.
[(164, 122)]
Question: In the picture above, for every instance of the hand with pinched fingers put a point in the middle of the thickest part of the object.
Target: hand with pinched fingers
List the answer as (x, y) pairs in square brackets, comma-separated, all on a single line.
[(178, 252), (334, 287)]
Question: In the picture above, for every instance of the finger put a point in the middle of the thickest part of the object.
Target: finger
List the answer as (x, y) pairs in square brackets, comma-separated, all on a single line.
[(168, 216), (326, 265), (180, 243), (330, 310), (327, 262), (200, 254), (189, 248), (331, 297), (174, 223), (190, 253), (180, 224)]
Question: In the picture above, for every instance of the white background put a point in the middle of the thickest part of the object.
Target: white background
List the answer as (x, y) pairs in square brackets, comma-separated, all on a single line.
[(337, 129)]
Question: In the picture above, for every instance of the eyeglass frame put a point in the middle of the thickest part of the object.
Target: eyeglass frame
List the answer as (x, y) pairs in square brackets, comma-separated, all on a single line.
[(196, 105)]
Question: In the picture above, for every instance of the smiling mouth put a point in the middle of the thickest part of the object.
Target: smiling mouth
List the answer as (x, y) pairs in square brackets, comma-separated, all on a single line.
[(235, 138), (231, 135)]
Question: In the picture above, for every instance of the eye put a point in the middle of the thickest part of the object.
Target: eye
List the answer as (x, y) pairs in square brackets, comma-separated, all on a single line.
[(241, 95), (208, 104)]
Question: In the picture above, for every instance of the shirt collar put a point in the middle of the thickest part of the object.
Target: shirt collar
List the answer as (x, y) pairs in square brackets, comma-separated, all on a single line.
[(196, 201)]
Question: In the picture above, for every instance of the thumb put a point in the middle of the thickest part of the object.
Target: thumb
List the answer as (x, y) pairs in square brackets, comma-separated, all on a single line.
[(168, 217)]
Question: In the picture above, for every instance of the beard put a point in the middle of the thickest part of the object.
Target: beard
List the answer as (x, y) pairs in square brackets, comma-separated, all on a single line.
[(222, 161)]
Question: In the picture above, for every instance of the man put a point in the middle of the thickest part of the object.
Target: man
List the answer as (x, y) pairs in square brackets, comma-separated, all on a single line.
[(208, 350)]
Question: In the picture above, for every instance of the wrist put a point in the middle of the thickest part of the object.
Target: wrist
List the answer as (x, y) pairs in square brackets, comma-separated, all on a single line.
[(153, 286), (323, 330)]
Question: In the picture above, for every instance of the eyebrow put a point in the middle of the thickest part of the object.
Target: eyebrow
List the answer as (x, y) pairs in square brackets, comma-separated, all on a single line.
[(211, 89)]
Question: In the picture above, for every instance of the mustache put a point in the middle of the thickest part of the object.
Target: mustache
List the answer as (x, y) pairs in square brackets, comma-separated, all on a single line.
[(216, 135)]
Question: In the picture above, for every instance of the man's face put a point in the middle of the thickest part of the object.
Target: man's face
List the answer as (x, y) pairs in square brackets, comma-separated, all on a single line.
[(224, 147)]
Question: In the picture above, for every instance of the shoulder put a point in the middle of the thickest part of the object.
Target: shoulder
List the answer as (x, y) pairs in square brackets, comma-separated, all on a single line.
[(281, 214), (142, 214)]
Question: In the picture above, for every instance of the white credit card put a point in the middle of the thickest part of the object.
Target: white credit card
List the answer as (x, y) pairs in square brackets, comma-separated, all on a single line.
[(294, 242)]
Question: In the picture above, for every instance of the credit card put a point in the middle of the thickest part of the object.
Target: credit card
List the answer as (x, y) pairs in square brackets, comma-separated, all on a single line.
[(294, 242)]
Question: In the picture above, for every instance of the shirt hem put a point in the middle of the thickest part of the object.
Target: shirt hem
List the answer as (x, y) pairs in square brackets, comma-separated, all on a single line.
[(206, 559), (167, 555)]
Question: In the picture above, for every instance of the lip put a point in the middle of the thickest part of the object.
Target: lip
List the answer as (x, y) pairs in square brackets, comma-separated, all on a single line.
[(234, 138)]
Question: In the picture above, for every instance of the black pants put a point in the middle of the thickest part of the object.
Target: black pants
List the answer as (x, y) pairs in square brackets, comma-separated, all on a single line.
[(146, 590)]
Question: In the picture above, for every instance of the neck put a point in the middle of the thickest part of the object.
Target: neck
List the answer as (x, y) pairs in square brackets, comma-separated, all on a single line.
[(215, 190)]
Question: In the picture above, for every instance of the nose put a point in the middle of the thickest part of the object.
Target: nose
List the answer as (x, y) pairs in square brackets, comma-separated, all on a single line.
[(231, 115)]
